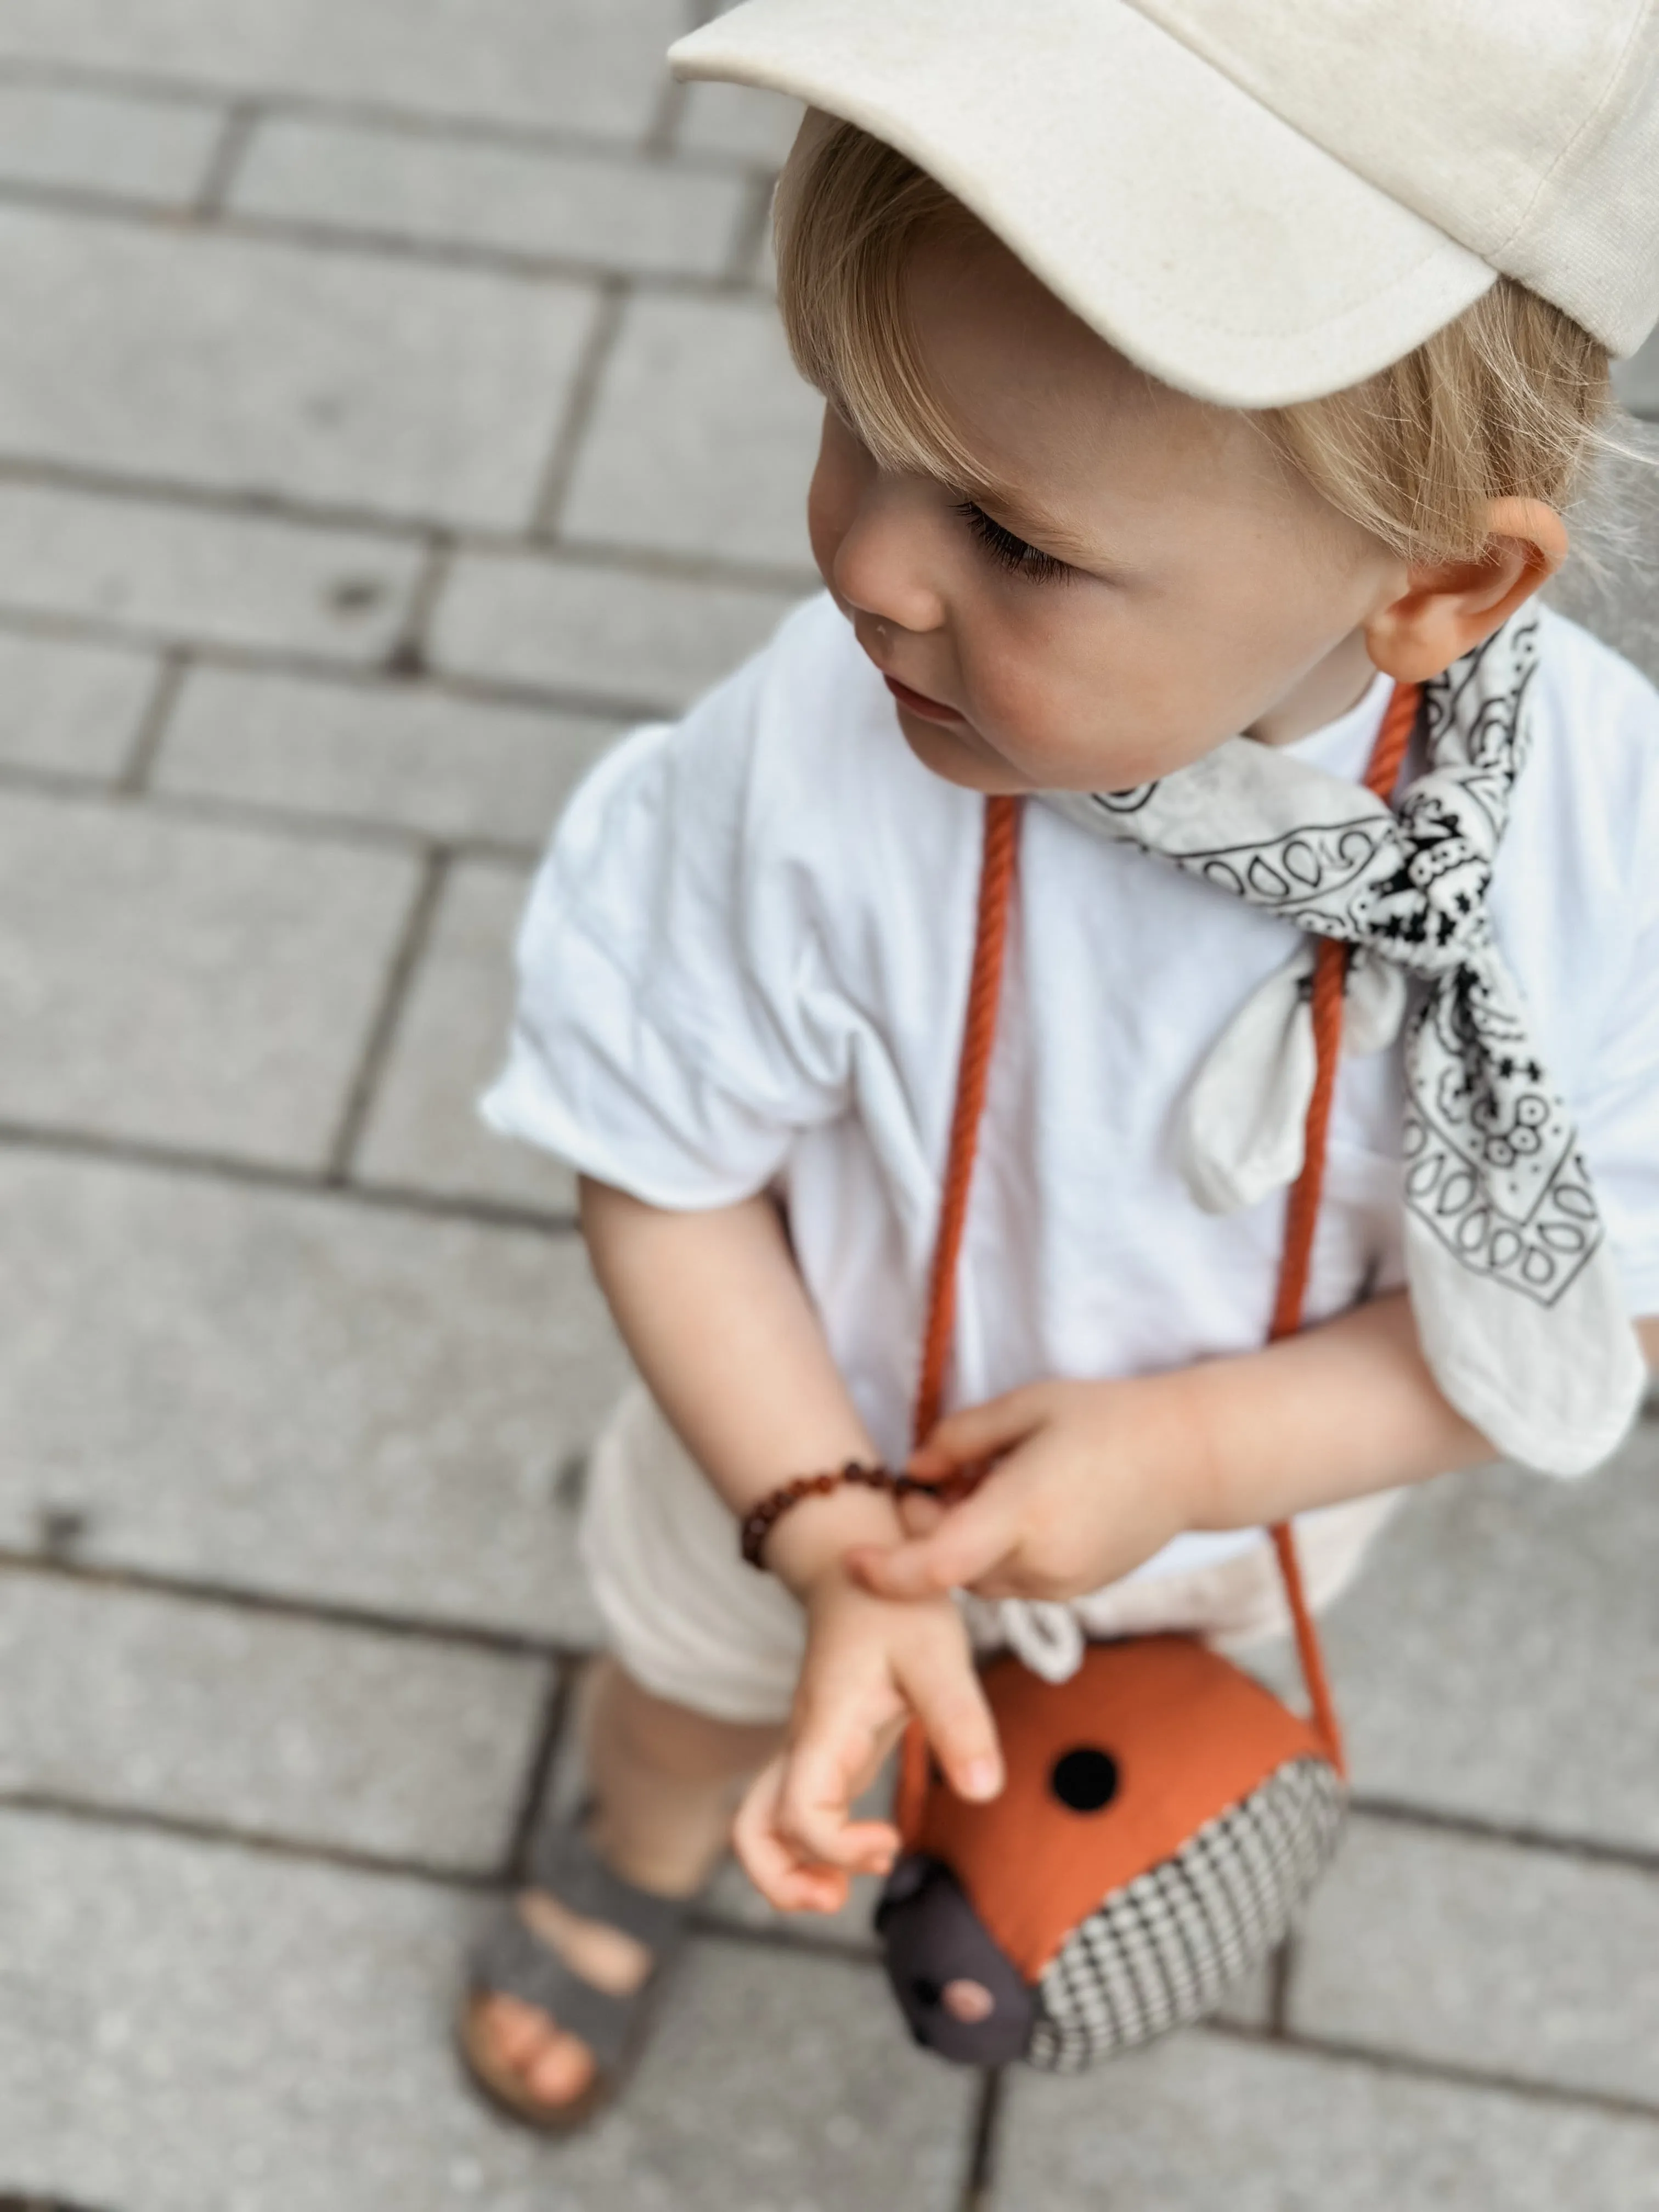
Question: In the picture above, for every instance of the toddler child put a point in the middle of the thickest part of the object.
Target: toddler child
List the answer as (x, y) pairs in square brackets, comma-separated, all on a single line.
[(1195, 374)]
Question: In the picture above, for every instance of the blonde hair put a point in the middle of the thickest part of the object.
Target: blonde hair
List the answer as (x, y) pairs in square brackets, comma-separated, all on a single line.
[(1506, 402)]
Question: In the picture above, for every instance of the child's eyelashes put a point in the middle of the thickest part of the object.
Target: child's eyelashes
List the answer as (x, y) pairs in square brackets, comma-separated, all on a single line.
[(1007, 550)]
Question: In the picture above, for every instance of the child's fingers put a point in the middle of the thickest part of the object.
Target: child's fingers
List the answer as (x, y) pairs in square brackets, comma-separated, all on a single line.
[(814, 1813), (944, 1692), (971, 1541), (979, 1432), (772, 1863)]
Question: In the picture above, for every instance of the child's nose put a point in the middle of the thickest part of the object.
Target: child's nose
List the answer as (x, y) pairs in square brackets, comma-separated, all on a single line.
[(884, 567)]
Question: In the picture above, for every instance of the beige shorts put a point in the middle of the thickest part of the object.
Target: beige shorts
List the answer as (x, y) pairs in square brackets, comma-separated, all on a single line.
[(691, 1622)]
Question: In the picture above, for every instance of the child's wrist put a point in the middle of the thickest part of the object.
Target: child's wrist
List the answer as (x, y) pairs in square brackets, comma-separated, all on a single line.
[(810, 1543)]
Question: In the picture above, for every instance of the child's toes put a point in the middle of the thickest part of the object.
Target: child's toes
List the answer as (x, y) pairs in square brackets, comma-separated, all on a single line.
[(511, 2032), (561, 2071)]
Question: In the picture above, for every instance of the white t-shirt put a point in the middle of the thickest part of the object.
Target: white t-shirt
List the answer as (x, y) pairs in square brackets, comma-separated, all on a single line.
[(744, 963)]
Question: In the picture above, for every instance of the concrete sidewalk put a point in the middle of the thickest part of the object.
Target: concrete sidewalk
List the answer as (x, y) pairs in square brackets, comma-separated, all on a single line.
[(390, 408)]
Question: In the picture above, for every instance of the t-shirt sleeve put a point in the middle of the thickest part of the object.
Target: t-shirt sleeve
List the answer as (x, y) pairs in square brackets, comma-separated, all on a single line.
[(671, 1037)]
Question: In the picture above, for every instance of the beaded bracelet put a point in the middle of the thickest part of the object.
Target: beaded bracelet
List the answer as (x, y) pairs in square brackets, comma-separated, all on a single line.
[(762, 1519)]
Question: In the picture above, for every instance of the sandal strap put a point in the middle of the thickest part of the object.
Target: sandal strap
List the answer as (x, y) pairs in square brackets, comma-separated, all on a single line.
[(511, 1960), (566, 1865)]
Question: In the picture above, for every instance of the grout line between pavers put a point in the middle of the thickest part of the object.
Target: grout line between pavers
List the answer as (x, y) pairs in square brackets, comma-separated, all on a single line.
[(311, 1612), (229, 1835), (407, 529), (10, 2202), (1637, 1858), (351, 832), (1452, 2072), (340, 237), (980, 2178), (159, 87), (340, 234), (842, 1951), (1281, 1975), (382, 1032), (146, 1156), (266, 660), (409, 659), (554, 489), (224, 163), (538, 1769), (134, 780)]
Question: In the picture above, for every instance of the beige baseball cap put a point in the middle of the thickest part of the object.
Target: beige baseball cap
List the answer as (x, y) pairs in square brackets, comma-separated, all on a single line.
[(1259, 201)]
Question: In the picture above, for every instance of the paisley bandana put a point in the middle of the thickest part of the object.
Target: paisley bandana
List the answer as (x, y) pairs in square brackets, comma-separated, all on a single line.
[(1515, 1288)]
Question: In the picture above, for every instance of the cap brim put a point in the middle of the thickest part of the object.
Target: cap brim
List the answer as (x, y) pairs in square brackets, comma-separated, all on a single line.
[(1215, 246)]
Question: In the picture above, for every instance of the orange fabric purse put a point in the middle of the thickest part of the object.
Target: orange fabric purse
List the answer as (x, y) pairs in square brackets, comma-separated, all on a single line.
[(1164, 1813)]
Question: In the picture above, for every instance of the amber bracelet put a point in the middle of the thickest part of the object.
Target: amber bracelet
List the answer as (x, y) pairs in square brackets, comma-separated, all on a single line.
[(760, 1520)]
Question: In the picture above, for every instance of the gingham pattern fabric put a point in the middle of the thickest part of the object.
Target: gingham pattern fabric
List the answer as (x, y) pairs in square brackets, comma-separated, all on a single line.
[(1164, 1949)]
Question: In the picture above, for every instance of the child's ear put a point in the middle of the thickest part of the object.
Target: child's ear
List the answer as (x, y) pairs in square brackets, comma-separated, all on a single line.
[(1447, 609)]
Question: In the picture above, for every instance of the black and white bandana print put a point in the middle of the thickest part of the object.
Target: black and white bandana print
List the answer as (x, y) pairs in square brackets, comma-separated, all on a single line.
[(1516, 1290)]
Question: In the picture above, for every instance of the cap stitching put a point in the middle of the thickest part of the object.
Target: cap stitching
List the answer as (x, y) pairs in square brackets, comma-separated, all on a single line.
[(1621, 67)]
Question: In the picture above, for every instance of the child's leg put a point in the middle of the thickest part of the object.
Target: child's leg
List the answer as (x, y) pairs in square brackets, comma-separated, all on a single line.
[(664, 1782), (683, 1614)]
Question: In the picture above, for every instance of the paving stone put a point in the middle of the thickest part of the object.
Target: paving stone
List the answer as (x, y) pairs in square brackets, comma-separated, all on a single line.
[(732, 119), (187, 2029), (1615, 590), (188, 984), (649, 641), (153, 150), (1498, 1659), (639, 216), (1527, 1963), (74, 709), (283, 1727), (253, 367), (703, 437), (396, 753), (1638, 381), (1206, 2121), (588, 65), (179, 574), (452, 1039), (316, 1399)]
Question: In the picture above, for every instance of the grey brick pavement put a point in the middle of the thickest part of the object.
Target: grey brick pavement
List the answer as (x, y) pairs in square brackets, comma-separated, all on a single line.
[(389, 407)]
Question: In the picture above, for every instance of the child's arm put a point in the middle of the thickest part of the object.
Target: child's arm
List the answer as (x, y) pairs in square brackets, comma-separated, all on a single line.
[(1094, 1477), (716, 1313)]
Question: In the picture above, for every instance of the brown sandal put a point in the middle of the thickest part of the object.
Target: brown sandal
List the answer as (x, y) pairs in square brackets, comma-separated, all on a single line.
[(511, 1960)]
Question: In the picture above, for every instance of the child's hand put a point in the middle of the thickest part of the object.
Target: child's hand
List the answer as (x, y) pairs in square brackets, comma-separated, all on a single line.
[(870, 1665), (1088, 1480)]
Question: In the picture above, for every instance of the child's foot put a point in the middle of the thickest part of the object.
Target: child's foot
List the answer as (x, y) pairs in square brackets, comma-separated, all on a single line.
[(517, 2043), (563, 1983)]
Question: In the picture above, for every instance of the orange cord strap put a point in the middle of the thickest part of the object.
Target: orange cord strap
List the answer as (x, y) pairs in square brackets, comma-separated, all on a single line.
[(996, 885), (1302, 1211)]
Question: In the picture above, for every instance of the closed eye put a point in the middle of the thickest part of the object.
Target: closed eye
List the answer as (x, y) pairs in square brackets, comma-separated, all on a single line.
[(1007, 550)]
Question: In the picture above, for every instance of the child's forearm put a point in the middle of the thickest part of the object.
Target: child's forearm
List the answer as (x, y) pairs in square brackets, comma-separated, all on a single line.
[(1337, 1413), (714, 1310)]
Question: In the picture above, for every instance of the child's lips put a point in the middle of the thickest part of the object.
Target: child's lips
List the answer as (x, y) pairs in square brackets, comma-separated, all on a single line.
[(918, 702)]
